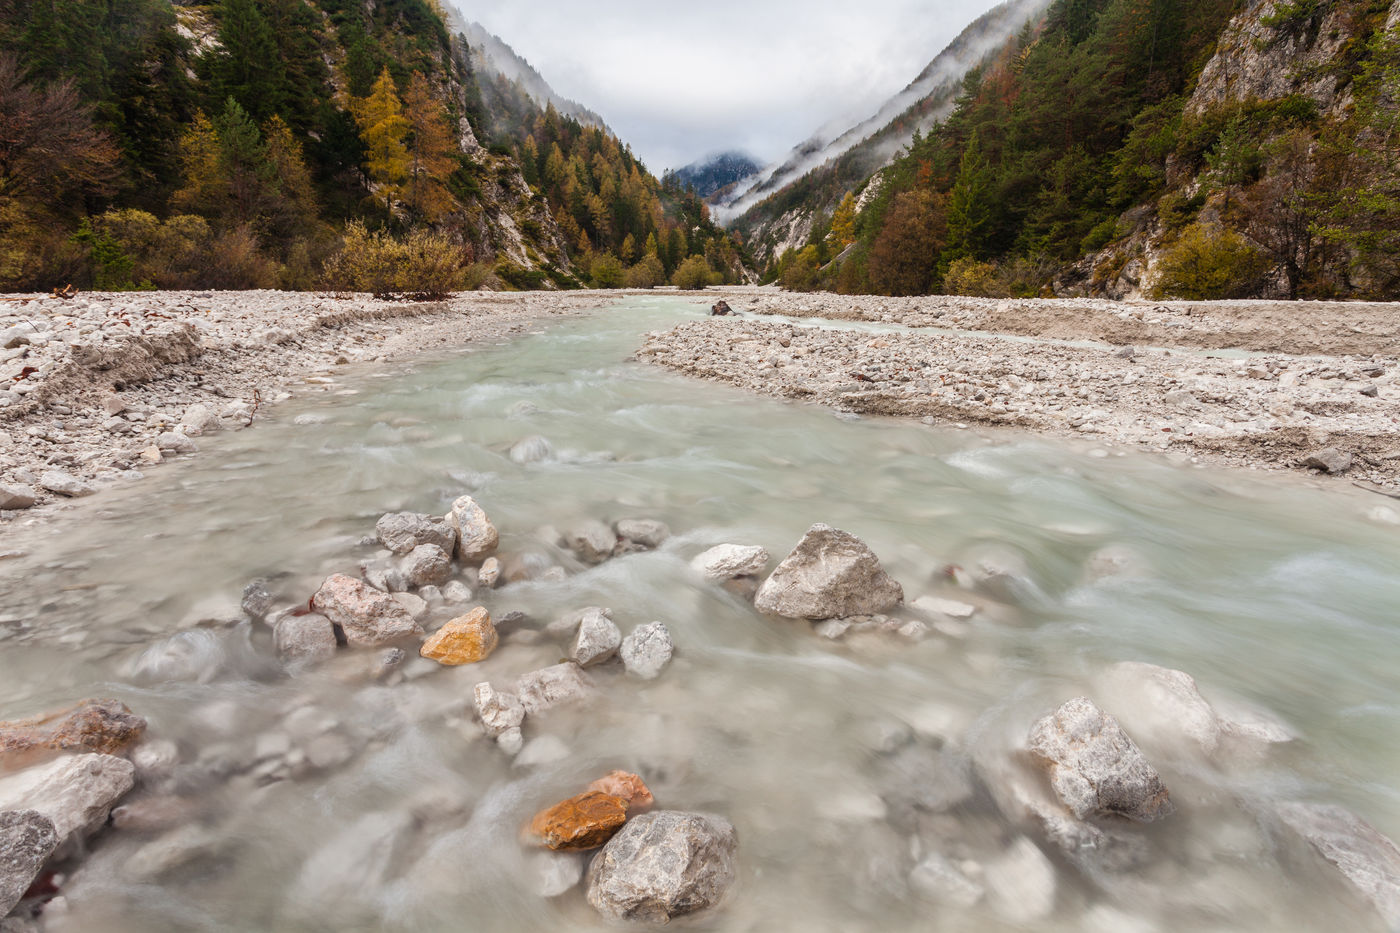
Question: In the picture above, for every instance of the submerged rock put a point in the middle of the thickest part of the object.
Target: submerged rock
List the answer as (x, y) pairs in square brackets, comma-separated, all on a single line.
[(727, 561), (1366, 858), (532, 449), (476, 536), (464, 640), (369, 617), (592, 541), (498, 710), (105, 726), (1021, 883), (630, 787), (1166, 705), (304, 638), (939, 880), (1094, 767), (555, 873), (583, 822), (490, 573), (641, 534), (552, 686), (647, 651), (75, 793), (663, 865), (831, 574), (27, 839), (401, 532), (596, 640)]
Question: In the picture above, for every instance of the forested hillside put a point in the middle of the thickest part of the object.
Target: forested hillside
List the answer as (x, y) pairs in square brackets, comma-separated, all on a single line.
[(306, 144), (1187, 148)]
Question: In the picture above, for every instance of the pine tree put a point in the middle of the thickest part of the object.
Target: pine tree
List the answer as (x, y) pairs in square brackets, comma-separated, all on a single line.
[(294, 210), (431, 153), (248, 66), (384, 128)]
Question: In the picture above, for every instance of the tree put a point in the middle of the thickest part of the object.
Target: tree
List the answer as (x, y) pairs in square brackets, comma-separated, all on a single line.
[(431, 153), (1277, 213), (971, 210), (294, 212), (843, 223), (903, 258), (384, 129), (247, 66)]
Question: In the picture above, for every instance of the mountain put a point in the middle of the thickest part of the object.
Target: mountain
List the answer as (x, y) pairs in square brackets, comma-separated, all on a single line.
[(1162, 148), (714, 177), (313, 144), (492, 57), (818, 171)]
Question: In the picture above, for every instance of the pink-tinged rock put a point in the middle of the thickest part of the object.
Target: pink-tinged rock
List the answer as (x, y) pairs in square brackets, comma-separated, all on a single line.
[(369, 617), (628, 786)]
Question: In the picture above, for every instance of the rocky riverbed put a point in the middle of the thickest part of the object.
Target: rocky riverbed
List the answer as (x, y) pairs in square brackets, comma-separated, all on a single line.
[(1260, 406), (99, 388)]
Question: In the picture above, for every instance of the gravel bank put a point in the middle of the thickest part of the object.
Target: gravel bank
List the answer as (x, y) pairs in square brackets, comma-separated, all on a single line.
[(1318, 328), (1269, 411), (97, 389)]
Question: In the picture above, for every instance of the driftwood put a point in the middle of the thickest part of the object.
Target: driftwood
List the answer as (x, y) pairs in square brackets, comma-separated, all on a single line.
[(66, 292)]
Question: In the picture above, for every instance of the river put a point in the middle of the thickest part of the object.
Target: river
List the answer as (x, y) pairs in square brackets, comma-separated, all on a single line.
[(1270, 594)]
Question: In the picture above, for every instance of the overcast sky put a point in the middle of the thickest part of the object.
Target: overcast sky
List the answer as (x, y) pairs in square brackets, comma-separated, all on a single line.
[(680, 80)]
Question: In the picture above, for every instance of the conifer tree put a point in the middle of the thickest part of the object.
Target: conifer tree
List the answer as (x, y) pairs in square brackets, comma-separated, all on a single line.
[(248, 66), (843, 223), (384, 128)]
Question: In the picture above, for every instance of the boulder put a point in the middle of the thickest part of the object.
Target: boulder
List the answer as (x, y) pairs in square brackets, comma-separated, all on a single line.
[(107, 727), (64, 484), (369, 617), (198, 419), (16, 497), (596, 640), (498, 710), (476, 536), (831, 574), (427, 565), (490, 573), (553, 686), (1094, 767), (592, 541), (720, 308), (174, 442), (464, 640), (727, 561), (647, 650), (76, 793), (27, 839), (401, 532), (1369, 861), (1328, 460), (630, 787), (304, 638), (642, 534), (583, 822), (663, 865)]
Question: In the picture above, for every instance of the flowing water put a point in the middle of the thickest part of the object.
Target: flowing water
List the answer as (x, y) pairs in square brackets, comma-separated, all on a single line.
[(827, 756)]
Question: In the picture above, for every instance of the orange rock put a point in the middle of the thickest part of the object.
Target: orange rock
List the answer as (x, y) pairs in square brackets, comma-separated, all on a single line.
[(626, 785), (583, 822), (465, 640), (103, 726)]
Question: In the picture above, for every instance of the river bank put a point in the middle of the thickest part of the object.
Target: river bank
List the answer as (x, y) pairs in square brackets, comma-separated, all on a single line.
[(1252, 405), (95, 389)]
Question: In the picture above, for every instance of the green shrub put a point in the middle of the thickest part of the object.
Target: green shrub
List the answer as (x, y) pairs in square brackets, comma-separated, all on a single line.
[(647, 273), (520, 278), (606, 271), (802, 273), (422, 265), (1207, 263), (694, 274), (971, 277)]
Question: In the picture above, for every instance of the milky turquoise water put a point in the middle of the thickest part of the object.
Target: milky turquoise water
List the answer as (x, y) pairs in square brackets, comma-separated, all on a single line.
[(1266, 592)]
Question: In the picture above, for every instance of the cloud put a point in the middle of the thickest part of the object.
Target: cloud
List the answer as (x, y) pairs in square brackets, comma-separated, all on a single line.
[(680, 80)]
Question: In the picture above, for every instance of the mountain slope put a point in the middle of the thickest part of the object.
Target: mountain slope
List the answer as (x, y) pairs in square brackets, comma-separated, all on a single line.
[(817, 172), (713, 177)]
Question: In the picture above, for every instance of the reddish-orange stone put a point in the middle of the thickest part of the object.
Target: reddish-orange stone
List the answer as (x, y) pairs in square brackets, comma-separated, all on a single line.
[(104, 726), (465, 640), (583, 822), (626, 785)]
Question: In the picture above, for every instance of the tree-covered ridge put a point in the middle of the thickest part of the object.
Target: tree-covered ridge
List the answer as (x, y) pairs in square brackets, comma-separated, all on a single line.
[(286, 136), (1082, 138)]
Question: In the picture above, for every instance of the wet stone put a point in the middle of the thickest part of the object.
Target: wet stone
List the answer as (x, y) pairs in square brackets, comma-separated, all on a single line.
[(831, 574), (464, 640), (105, 726), (27, 839), (369, 617), (647, 650), (583, 822), (663, 865)]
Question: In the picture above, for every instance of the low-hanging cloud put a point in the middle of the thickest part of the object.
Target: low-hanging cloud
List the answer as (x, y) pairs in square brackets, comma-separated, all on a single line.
[(680, 80)]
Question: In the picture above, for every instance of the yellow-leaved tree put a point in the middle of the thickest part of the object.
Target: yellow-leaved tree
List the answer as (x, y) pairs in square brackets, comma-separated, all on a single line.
[(431, 153), (843, 223), (383, 128)]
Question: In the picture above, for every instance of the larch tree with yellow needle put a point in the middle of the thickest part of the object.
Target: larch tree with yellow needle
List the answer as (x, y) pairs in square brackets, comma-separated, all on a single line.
[(431, 153), (384, 130)]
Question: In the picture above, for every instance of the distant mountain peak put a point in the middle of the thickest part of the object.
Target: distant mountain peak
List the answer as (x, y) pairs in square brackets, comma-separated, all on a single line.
[(715, 174)]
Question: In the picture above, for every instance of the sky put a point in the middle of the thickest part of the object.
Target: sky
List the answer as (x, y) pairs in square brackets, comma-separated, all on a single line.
[(682, 80)]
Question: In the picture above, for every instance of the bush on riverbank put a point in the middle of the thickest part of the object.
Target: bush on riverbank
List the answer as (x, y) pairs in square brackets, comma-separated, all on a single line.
[(422, 264), (1208, 263)]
